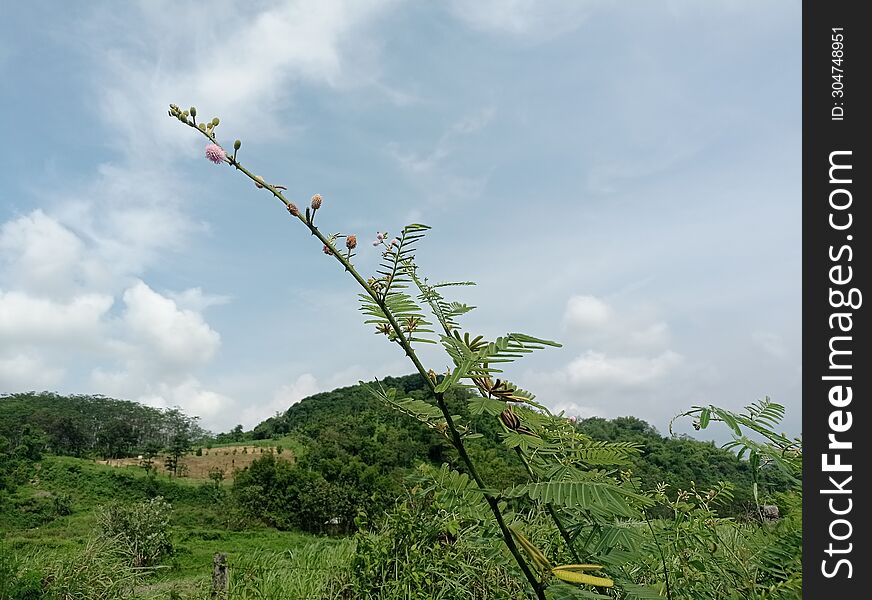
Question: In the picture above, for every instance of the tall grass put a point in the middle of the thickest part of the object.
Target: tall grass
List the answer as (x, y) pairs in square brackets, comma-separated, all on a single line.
[(317, 570)]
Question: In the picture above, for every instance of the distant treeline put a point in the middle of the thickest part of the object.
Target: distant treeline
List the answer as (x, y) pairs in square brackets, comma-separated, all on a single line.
[(91, 425)]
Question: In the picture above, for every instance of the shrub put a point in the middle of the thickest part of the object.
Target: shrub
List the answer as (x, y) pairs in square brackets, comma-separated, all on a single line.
[(141, 529)]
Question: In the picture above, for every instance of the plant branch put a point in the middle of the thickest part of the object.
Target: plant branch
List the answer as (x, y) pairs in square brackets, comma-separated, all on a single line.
[(455, 437)]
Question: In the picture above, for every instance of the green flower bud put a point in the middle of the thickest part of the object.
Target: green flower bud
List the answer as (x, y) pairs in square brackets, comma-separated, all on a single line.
[(201, 126), (237, 145), (193, 111), (215, 122)]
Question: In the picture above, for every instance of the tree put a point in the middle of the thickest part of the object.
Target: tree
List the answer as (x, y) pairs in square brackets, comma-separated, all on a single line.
[(180, 445)]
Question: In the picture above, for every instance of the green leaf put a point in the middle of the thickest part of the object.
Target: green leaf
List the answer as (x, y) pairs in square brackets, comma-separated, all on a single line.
[(639, 592), (599, 497), (491, 406), (704, 416)]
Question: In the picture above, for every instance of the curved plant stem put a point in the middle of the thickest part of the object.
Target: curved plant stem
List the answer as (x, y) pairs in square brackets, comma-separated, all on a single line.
[(454, 435)]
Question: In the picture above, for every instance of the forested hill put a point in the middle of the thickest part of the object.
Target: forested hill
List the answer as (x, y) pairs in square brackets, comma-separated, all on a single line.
[(90, 425), (351, 422)]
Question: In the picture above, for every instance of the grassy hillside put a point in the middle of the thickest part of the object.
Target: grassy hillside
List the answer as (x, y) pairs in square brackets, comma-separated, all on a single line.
[(53, 517)]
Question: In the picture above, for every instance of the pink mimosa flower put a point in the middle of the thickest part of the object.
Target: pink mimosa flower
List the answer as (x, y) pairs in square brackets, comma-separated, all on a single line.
[(215, 153)]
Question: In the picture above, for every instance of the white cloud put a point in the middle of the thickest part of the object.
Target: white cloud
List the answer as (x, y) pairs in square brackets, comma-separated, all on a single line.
[(33, 320), (193, 398), (22, 372), (586, 312), (38, 253), (242, 64), (283, 397), (596, 370), (197, 300), (178, 338), (599, 324), (524, 18), (621, 361)]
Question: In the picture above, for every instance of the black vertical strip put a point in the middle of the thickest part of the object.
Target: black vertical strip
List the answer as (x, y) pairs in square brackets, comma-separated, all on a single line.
[(836, 372)]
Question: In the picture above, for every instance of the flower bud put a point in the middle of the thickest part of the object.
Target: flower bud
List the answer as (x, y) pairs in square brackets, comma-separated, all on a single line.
[(201, 126), (327, 250), (237, 145), (510, 419), (316, 201), (215, 122), (292, 208), (193, 111), (258, 181), (351, 242)]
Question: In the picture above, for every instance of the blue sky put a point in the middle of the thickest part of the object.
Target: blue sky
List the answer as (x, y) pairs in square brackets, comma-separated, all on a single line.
[(622, 177)]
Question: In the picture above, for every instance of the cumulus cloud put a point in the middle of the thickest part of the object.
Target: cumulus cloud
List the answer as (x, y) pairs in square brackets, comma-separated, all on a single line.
[(179, 337), (621, 364), (40, 255), (35, 320), (193, 397)]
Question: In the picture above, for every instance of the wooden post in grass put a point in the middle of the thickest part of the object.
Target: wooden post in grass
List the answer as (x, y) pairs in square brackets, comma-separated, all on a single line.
[(219, 575)]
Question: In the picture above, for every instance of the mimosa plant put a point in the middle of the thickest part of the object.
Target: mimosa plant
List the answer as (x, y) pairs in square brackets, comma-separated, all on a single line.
[(577, 481)]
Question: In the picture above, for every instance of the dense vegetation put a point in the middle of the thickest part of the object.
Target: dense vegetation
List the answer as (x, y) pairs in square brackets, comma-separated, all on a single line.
[(92, 425), (415, 526)]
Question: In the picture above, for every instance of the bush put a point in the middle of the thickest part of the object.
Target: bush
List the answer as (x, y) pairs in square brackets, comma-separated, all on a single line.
[(420, 553), (141, 529), (288, 497)]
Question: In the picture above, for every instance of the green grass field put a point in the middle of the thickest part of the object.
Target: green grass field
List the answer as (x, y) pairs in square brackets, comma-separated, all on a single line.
[(263, 562)]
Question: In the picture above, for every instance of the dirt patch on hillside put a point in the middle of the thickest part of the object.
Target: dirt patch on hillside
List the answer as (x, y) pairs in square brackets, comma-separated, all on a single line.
[(227, 458)]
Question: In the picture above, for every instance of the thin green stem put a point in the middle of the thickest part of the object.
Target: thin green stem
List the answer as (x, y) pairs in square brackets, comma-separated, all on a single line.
[(662, 558)]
